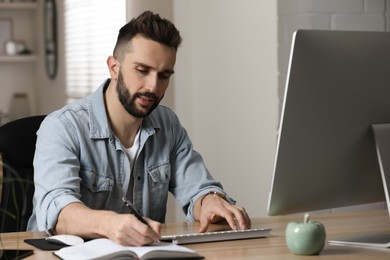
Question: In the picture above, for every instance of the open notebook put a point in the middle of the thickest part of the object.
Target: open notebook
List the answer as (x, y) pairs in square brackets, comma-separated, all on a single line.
[(103, 248)]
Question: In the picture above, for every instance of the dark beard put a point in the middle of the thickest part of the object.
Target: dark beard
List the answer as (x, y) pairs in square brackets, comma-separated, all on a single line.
[(128, 101)]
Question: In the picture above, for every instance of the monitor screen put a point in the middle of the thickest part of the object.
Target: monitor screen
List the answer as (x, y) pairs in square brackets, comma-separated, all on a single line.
[(338, 84)]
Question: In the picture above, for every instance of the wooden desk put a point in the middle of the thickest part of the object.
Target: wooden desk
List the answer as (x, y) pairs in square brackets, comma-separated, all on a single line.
[(336, 224)]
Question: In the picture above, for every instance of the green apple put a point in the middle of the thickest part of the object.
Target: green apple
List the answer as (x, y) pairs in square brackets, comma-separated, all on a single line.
[(305, 238)]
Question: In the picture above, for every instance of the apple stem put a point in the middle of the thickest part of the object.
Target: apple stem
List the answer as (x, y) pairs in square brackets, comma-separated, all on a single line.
[(306, 218)]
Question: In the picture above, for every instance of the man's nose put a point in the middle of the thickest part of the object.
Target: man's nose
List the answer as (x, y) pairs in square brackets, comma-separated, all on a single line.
[(152, 82)]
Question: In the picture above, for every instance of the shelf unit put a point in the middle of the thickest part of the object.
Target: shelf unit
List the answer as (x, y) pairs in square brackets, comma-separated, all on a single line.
[(19, 73), (18, 58), (18, 6)]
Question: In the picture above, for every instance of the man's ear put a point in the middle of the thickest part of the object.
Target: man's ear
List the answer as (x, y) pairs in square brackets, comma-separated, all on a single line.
[(113, 67)]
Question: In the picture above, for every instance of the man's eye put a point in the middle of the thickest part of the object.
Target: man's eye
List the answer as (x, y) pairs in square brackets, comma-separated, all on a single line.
[(164, 76), (142, 71)]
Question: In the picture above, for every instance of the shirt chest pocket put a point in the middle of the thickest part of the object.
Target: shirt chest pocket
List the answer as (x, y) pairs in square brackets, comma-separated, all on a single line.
[(160, 173), (95, 189), (96, 182)]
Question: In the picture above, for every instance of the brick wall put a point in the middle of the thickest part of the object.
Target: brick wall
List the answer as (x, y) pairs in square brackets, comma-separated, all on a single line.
[(357, 15)]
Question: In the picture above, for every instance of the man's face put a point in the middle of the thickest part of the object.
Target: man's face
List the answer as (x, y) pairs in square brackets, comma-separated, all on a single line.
[(144, 75)]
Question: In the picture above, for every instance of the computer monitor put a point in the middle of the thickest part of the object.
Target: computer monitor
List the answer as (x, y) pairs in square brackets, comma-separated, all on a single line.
[(338, 85)]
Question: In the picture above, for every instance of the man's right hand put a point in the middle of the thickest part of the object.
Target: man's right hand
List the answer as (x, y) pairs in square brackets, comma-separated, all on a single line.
[(125, 229)]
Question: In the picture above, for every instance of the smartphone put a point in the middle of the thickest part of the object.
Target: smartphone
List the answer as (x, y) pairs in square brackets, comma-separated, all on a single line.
[(10, 254)]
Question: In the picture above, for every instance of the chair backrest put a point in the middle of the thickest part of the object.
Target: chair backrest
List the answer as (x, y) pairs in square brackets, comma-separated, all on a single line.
[(17, 148)]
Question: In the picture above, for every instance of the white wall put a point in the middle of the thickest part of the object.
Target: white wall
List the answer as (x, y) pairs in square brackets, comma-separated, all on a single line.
[(225, 91)]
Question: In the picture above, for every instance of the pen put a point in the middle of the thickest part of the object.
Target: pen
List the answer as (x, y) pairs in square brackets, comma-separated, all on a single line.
[(134, 211)]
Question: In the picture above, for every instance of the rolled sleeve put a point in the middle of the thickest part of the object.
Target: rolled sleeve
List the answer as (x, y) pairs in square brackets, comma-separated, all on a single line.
[(50, 217), (57, 182)]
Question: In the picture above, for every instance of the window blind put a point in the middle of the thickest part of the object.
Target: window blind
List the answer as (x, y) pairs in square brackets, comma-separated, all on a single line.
[(91, 29)]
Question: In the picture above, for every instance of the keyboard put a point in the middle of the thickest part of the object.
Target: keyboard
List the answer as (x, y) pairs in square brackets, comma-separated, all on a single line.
[(216, 236)]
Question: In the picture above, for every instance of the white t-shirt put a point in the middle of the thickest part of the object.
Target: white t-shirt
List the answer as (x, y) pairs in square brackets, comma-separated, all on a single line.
[(132, 151)]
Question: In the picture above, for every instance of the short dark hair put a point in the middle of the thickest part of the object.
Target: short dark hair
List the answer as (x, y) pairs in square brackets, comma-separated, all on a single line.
[(150, 26)]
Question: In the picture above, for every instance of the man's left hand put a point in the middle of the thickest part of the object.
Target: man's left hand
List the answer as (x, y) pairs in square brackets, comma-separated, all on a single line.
[(214, 208)]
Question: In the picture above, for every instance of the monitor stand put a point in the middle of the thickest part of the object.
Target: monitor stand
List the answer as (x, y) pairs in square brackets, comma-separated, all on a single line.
[(382, 142)]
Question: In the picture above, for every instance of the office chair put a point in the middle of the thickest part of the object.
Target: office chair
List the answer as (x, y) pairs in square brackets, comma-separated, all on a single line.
[(17, 147)]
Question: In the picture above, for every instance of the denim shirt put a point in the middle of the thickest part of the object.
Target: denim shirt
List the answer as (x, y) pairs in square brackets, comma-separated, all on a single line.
[(79, 159)]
